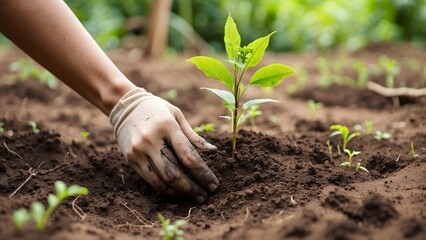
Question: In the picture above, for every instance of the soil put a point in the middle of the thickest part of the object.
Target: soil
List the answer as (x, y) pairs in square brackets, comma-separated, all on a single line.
[(282, 183)]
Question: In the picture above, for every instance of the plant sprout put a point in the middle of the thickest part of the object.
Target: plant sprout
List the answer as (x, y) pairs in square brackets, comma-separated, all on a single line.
[(1, 127), (314, 107), (207, 127), (85, 135), (171, 231), (25, 69), (351, 154), (241, 58), (34, 127), (366, 128), (251, 114), (358, 167), (344, 131), (382, 135), (361, 67), (413, 152), (39, 213), (391, 68)]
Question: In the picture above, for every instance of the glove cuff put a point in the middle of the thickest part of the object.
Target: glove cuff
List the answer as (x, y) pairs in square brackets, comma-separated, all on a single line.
[(125, 106)]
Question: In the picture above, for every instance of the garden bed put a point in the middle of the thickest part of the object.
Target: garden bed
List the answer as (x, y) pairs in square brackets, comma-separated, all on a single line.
[(284, 157)]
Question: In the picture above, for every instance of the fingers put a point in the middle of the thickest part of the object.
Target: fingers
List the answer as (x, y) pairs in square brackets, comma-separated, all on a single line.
[(167, 167), (191, 134), (192, 161)]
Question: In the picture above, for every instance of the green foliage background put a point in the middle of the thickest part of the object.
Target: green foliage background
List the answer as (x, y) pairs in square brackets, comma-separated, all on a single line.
[(301, 24)]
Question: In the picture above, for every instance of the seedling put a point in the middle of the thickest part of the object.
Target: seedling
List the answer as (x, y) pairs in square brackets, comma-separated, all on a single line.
[(1, 127), (362, 70), (351, 154), (38, 213), (241, 59), (251, 114), (358, 167), (207, 127), (343, 130), (382, 135), (25, 69), (413, 152), (85, 135), (314, 107), (171, 231), (324, 68), (34, 127), (330, 150), (366, 128), (391, 69)]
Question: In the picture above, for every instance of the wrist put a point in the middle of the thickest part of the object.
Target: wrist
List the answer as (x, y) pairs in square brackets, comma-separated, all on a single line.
[(113, 92)]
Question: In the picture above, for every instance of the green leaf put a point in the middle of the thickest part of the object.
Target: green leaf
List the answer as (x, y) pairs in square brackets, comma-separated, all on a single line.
[(20, 217), (53, 201), (214, 69), (259, 46), (238, 64), (61, 189), (346, 164), (75, 190), (271, 75), (364, 169), (232, 39), (37, 213), (253, 102), (228, 97)]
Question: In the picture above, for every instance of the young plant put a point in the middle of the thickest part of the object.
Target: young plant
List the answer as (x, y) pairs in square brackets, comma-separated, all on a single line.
[(358, 167), (23, 70), (241, 59), (379, 136), (391, 69), (39, 213), (85, 135), (361, 67), (207, 127), (366, 128), (1, 127), (344, 131), (251, 114), (171, 231), (413, 152), (34, 127), (325, 73), (314, 107), (330, 150), (351, 154)]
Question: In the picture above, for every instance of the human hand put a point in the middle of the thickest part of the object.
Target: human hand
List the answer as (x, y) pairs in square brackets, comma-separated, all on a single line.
[(153, 136)]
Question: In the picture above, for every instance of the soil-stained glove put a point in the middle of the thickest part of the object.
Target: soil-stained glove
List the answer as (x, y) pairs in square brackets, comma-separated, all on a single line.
[(153, 136)]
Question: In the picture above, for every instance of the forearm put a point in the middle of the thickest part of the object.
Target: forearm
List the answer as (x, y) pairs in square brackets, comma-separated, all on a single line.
[(49, 32)]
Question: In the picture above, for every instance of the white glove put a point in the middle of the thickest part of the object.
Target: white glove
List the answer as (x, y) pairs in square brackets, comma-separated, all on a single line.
[(153, 136)]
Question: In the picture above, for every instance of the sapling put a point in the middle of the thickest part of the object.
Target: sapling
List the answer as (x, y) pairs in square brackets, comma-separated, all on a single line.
[(344, 131), (34, 127), (206, 127), (38, 213), (391, 68), (251, 114), (314, 107), (241, 59), (379, 136), (171, 231), (351, 154)]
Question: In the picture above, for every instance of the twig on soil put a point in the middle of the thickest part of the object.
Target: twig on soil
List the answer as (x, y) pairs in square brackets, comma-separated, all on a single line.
[(57, 167), (189, 214), (33, 173), (13, 152), (395, 92), (78, 210), (144, 221)]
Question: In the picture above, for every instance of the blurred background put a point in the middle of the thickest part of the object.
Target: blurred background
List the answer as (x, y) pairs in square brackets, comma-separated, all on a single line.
[(301, 24)]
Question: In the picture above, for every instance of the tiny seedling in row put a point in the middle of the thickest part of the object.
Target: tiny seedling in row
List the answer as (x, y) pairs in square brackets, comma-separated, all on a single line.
[(85, 135), (206, 127), (382, 135), (241, 59), (1, 127), (344, 132), (366, 128), (24, 69), (349, 163), (34, 127), (171, 231), (314, 107), (39, 213), (413, 152)]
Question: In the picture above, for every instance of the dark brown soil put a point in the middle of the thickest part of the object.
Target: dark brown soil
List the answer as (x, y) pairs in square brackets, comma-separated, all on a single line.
[(285, 157)]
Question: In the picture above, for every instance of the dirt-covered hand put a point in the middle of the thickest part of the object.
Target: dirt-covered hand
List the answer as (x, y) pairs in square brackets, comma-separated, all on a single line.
[(155, 139)]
